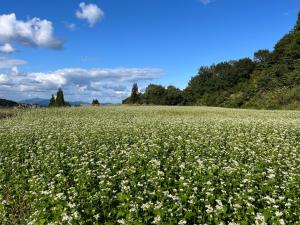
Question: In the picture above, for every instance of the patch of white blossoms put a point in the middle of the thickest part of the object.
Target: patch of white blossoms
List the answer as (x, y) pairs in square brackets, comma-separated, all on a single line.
[(150, 165)]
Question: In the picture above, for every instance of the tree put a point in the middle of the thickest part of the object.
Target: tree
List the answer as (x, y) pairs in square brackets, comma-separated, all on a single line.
[(155, 94), (297, 27), (60, 101), (261, 55), (95, 102), (242, 69), (173, 96), (7, 103), (135, 96), (52, 101)]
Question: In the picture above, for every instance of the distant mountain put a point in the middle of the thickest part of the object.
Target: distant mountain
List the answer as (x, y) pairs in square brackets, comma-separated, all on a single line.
[(7, 103), (36, 101), (45, 102), (109, 104), (78, 103)]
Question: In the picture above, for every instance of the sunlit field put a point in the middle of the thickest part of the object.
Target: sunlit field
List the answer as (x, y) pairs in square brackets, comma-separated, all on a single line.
[(150, 165)]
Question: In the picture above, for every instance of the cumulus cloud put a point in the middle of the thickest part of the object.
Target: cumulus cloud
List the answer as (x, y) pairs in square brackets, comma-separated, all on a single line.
[(34, 32), (90, 12), (7, 63), (110, 85), (7, 48)]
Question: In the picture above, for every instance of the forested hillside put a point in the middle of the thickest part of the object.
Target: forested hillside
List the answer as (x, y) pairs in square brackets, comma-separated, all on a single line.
[(7, 103), (270, 80)]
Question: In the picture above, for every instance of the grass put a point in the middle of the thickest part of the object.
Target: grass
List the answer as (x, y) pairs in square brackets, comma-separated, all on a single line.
[(7, 113), (150, 165)]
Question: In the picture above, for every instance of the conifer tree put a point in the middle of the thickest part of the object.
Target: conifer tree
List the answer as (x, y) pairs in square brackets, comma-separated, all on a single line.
[(52, 101), (95, 102), (60, 101), (135, 97)]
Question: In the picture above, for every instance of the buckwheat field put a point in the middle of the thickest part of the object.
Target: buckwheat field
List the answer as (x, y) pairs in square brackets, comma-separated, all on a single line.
[(150, 165)]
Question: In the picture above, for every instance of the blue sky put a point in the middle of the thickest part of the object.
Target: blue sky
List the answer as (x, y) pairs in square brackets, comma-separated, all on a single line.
[(98, 48)]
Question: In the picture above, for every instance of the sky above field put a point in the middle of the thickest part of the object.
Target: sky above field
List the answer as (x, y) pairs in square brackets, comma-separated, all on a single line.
[(99, 48)]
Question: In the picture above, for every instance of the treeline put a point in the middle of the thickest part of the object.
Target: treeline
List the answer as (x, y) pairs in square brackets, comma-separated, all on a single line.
[(58, 100), (155, 95), (270, 80), (7, 103)]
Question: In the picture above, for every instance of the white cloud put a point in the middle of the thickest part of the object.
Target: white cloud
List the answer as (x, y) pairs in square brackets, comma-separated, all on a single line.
[(7, 48), (70, 26), (90, 12), (34, 32), (15, 70), (3, 78), (79, 76), (206, 2), (109, 85), (7, 63)]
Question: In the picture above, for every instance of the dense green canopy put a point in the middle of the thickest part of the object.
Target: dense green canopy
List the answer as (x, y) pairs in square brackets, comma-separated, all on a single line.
[(7, 103)]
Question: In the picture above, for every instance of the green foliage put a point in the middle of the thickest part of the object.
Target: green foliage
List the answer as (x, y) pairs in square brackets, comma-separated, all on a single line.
[(154, 95), (280, 98), (262, 55), (59, 100), (150, 165), (135, 97), (214, 84), (7, 103), (173, 96), (95, 102), (52, 101)]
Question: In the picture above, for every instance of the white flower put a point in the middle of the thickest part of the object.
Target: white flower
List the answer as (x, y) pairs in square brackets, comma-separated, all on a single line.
[(156, 220), (182, 222), (219, 202), (121, 221)]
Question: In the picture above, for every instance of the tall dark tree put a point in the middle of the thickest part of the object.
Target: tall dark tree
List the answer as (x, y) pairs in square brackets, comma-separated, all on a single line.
[(60, 101), (52, 101), (95, 102), (135, 96)]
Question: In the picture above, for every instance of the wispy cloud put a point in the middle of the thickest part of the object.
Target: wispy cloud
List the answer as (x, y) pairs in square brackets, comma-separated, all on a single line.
[(90, 12), (70, 26), (88, 59), (8, 63)]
